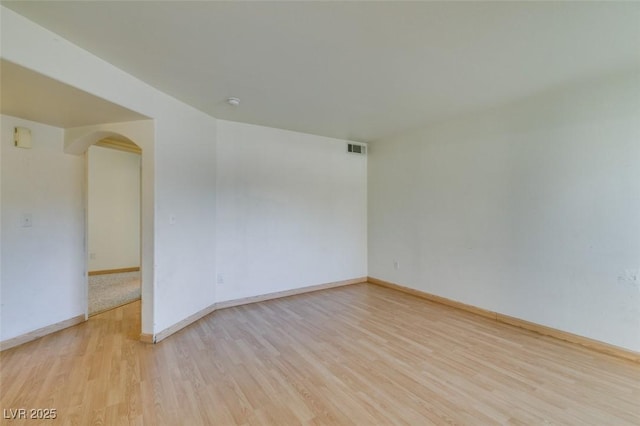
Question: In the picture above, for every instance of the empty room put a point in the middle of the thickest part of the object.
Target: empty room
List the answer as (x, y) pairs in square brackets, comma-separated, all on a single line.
[(352, 213)]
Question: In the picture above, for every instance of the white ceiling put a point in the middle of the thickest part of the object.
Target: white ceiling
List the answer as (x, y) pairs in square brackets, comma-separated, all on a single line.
[(354, 70), (32, 96)]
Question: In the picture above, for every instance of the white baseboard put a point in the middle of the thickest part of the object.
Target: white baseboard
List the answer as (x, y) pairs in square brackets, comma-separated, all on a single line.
[(41, 332), (149, 338), (286, 293), (243, 301), (182, 324), (595, 345)]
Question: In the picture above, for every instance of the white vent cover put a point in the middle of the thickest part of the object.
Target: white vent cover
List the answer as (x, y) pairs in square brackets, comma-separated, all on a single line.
[(357, 149)]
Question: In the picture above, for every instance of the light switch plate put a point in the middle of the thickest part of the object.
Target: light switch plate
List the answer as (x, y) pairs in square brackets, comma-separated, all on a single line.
[(22, 137)]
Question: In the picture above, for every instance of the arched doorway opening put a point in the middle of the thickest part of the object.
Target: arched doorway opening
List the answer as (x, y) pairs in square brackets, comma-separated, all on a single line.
[(113, 223), (135, 136)]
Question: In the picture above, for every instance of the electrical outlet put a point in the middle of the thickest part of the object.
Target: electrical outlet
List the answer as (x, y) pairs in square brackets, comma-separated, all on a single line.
[(631, 275), (92, 256), (220, 279), (27, 220), (396, 264), (630, 278)]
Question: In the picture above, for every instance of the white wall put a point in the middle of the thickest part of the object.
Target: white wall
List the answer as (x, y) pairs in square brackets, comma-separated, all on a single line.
[(42, 265), (185, 256), (179, 169), (114, 209), (291, 210), (531, 210)]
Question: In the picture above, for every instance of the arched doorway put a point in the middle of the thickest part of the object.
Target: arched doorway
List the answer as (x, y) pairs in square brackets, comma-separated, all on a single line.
[(113, 223), (138, 134)]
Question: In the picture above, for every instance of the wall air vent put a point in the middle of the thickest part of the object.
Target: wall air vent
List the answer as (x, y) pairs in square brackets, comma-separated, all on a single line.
[(357, 149)]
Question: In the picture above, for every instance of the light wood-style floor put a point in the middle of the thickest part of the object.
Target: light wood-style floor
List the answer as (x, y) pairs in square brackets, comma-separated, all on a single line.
[(360, 354)]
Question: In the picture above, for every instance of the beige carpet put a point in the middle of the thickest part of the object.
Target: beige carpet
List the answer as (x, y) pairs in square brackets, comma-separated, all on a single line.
[(109, 291)]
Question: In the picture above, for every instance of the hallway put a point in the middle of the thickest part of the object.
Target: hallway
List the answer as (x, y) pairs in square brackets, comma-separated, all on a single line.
[(108, 291)]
